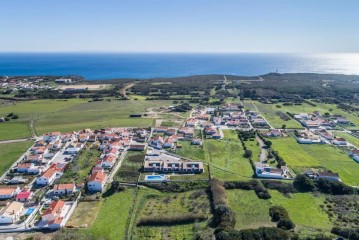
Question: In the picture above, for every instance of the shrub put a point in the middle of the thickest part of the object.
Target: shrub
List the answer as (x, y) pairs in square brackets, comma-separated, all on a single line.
[(170, 220), (277, 213), (255, 185), (218, 192), (350, 234), (265, 233), (285, 224), (282, 187), (303, 183), (248, 153)]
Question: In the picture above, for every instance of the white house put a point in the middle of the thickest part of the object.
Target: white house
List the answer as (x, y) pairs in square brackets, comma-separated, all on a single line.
[(355, 154), (265, 171), (328, 175), (47, 177), (63, 189), (11, 213), (96, 182), (7, 193), (339, 141)]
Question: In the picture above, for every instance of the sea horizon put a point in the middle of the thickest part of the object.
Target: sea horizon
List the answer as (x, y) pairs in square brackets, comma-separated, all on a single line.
[(143, 65)]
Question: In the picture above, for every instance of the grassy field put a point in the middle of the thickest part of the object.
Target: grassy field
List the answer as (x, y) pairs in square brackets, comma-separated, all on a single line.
[(191, 151), (80, 168), (10, 152), (74, 114), (353, 140), (303, 208), (14, 130), (151, 203), (82, 215), (251, 212), (269, 111), (302, 156), (112, 217), (226, 158), (130, 167)]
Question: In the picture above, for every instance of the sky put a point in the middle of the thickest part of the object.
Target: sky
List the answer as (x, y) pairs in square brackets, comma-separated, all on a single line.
[(308, 26)]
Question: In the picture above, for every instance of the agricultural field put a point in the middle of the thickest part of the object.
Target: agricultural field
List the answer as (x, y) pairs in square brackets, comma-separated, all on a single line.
[(302, 157), (112, 217), (303, 209), (131, 167), (152, 204), (74, 114), (226, 158), (10, 152), (351, 139), (14, 130)]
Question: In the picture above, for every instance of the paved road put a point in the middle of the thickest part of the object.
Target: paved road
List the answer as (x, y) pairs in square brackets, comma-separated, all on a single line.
[(117, 166)]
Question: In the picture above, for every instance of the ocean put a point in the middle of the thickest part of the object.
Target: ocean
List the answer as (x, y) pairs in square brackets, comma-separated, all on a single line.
[(102, 66)]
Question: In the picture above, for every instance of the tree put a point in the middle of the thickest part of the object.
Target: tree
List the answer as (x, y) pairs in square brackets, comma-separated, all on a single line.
[(268, 143), (277, 213), (285, 224), (248, 153), (284, 126), (303, 183)]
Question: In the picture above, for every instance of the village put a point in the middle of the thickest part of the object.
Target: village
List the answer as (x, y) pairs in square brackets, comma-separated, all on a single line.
[(39, 193)]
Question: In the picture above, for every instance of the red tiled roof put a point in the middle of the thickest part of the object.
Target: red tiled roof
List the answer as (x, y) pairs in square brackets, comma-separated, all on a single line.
[(97, 177)]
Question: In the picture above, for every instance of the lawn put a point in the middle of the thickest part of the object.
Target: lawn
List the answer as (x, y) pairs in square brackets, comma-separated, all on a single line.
[(112, 217), (74, 114), (304, 210), (226, 157), (351, 139), (14, 130), (131, 167), (301, 156), (10, 152), (251, 212)]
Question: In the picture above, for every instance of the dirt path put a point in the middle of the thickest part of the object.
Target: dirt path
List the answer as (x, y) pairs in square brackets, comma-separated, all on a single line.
[(125, 88), (263, 156)]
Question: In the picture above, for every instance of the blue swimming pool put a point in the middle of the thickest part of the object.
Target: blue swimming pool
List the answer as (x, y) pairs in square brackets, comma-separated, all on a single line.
[(155, 178), (29, 211)]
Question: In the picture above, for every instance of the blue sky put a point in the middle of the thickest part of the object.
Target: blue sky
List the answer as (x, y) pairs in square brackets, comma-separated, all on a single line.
[(180, 25)]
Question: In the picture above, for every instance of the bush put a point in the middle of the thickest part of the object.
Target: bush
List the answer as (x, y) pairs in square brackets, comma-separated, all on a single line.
[(285, 224), (218, 192), (262, 233), (170, 220), (277, 213), (177, 186), (248, 153), (334, 187), (303, 183), (282, 187), (350, 234), (255, 185)]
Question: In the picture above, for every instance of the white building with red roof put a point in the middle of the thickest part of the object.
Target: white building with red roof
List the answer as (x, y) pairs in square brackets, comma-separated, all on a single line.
[(96, 182)]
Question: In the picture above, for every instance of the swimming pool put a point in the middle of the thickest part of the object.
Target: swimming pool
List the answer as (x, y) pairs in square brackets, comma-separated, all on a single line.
[(155, 178), (29, 211)]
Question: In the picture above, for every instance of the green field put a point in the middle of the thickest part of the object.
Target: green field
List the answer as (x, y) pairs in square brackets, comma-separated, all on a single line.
[(251, 212), (74, 114), (269, 110), (302, 156), (131, 167), (226, 158), (112, 217), (80, 168), (10, 152), (351, 139), (303, 208), (14, 130), (151, 203), (191, 151)]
